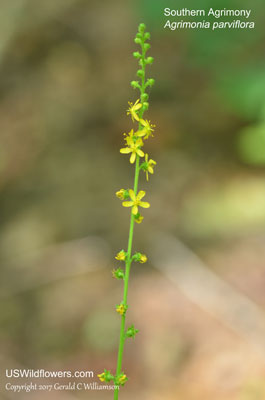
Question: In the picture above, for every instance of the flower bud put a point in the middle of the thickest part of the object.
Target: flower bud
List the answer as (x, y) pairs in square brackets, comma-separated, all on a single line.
[(141, 28), (118, 273), (136, 54), (150, 82), (149, 60), (135, 84), (140, 73), (147, 36), (131, 332), (147, 46), (144, 97), (137, 40), (145, 106)]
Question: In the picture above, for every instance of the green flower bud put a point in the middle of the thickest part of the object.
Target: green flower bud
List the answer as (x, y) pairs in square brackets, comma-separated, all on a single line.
[(136, 257), (108, 376), (145, 106), (150, 82), (137, 40), (147, 36), (118, 273), (141, 28), (147, 46), (131, 332), (149, 60), (136, 54), (140, 73), (144, 97), (135, 85), (138, 35)]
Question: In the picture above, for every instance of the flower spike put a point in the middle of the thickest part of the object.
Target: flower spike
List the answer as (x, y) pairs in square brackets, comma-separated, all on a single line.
[(133, 198)]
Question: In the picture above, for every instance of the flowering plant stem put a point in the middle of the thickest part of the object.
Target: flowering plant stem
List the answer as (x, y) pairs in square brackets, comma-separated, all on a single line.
[(134, 142), (132, 221), (126, 281)]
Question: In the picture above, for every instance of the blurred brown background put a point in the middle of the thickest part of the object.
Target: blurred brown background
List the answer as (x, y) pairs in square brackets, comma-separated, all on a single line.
[(66, 68)]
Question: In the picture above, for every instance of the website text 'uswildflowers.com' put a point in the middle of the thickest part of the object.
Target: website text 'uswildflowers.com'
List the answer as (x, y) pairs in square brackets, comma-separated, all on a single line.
[(42, 373)]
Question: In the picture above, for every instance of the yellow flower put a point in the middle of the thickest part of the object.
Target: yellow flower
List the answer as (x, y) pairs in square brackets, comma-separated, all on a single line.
[(121, 309), (136, 201), (106, 376), (139, 257), (121, 379), (143, 259), (134, 148), (101, 377), (138, 218), (130, 136), (121, 256), (120, 194), (147, 130), (133, 108), (148, 166)]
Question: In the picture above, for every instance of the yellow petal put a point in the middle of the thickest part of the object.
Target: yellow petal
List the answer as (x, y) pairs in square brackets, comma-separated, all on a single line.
[(139, 142), (150, 169), (137, 106), (140, 153), (135, 116), (127, 203), (135, 210), (133, 157), (125, 150), (141, 133), (144, 204), (132, 195), (140, 195)]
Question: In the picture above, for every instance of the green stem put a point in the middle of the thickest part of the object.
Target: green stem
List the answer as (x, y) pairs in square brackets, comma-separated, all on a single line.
[(126, 281), (130, 242)]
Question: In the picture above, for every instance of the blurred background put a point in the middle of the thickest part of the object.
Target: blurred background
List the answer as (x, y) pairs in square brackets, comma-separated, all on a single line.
[(66, 67)]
